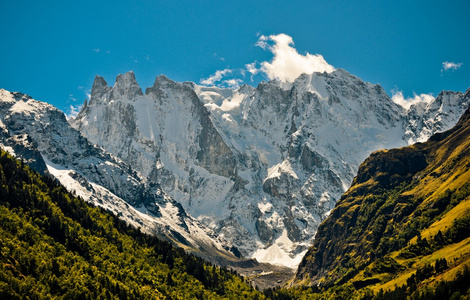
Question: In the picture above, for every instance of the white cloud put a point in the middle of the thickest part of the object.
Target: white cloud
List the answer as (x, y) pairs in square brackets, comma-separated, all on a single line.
[(251, 68), (399, 99), (98, 50), (233, 83), (216, 77), (73, 111), (449, 65), (287, 63), (263, 42)]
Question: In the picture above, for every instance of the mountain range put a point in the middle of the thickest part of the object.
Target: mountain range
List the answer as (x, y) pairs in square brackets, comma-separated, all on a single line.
[(226, 174)]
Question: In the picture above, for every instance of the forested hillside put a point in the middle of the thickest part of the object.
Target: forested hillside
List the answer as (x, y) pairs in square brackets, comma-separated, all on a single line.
[(54, 245)]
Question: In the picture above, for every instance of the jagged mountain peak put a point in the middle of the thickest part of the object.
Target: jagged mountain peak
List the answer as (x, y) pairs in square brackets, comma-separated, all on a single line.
[(344, 89), (338, 74), (161, 81), (447, 98), (126, 86), (19, 103), (99, 87), (6, 97), (425, 118), (99, 82), (161, 78)]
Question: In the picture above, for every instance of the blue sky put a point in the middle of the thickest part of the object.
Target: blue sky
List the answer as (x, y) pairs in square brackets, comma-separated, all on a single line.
[(52, 50)]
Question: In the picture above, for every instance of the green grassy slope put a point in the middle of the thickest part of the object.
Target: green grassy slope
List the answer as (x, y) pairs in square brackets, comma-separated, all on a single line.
[(53, 245), (404, 224)]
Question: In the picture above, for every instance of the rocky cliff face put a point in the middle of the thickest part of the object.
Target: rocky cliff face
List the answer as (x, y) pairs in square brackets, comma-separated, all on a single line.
[(260, 167)]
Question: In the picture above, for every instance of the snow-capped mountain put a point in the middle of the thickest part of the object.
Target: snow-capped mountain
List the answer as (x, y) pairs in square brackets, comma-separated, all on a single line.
[(252, 170), (423, 119), (39, 134), (257, 168)]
